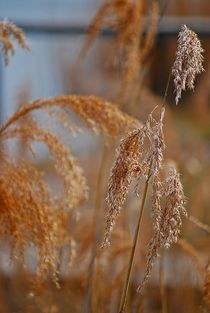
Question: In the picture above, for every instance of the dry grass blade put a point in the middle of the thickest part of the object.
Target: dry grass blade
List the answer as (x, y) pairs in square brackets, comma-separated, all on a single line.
[(8, 32)]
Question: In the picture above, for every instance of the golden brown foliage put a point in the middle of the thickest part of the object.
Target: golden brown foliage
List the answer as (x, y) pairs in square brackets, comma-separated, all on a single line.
[(8, 32)]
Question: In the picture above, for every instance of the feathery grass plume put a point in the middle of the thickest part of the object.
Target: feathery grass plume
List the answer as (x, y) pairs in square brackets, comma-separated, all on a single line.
[(138, 150), (27, 212), (188, 62), (99, 114), (126, 18), (8, 32), (75, 188), (167, 217), (31, 195)]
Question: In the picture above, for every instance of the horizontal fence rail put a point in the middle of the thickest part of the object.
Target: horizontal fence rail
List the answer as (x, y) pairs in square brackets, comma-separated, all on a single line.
[(168, 26)]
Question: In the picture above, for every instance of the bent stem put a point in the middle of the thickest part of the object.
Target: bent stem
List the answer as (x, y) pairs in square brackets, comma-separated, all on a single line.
[(135, 240)]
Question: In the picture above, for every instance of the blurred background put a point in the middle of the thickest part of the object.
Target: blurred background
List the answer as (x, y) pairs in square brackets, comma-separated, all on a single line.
[(55, 31)]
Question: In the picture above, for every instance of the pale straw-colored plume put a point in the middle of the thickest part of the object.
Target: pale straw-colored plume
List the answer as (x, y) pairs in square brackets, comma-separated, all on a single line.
[(188, 62), (140, 151), (167, 217), (8, 33)]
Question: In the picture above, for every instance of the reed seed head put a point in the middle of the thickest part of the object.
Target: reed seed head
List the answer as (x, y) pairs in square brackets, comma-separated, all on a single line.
[(189, 61), (8, 32), (140, 151), (168, 202)]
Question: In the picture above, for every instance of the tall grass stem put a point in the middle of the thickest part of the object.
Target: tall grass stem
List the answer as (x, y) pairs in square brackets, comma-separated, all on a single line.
[(135, 241)]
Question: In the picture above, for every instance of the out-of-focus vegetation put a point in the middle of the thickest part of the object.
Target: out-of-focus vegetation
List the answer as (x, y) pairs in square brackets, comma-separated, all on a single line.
[(53, 203)]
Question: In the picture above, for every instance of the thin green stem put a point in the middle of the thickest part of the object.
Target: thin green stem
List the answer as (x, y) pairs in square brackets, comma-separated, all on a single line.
[(135, 240)]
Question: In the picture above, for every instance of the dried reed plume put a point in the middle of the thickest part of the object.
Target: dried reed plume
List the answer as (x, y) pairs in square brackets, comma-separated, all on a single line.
[(27, 213), (75, 188), (30, 214), (140, 152), (8, 32), (189, 60), (126, 18), (140, 157), (167, 217)]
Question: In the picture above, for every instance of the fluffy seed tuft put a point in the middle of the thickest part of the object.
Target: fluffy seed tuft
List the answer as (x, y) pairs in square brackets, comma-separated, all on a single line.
[(188, 63)]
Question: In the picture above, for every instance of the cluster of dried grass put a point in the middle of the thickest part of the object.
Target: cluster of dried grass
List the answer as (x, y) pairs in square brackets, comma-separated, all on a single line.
[(31, 216)]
